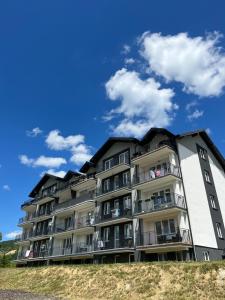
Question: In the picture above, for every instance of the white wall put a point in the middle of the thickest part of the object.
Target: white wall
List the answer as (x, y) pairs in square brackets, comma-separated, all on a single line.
[(197, 202)]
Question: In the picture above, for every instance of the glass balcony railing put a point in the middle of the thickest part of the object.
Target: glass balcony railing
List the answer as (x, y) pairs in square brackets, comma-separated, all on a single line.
[(152, 148), (74, 201), (113, 187), (84, 221), (78, 248), (63, 226), (113, 162), (152, 238), (167, 169), (115, 214), (114, 244), (157, 203)]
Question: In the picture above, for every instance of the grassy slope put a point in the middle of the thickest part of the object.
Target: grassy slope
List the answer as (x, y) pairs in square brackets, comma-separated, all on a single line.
[(121, 281)]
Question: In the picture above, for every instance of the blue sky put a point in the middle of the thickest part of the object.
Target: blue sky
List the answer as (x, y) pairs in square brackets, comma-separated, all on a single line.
[(72, 73)]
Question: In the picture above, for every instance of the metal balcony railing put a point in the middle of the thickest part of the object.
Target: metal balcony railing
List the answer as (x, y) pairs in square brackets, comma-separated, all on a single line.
[(113, 244), (115, 213), (113, 187), (159, 203), (167, 169), (152, 238)]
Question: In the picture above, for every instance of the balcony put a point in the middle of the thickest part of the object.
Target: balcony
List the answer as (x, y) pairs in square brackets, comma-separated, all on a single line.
[(112, 245), (153, 154), (85, 182), (153, 240), (79, 201), (22, 237), (63, 227), (83, 222), (27, 218), (115, 166), (116, 216), (114, 190), (159, 177), (41, 233), (79, 249), (158, 204)]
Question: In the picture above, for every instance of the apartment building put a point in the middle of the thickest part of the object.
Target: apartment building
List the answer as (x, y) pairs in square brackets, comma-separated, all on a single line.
[(155, 199)]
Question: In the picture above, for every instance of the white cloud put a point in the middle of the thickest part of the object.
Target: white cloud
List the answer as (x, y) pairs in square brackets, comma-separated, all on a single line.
[(143, 103), (6, 187), (80, 154), (195, 115), (42, 161), (190, 105), (73, 143), (34, 132), (129, 61), (54, 172), (55, 141), (126, 49), (198, 63), (12, 235)]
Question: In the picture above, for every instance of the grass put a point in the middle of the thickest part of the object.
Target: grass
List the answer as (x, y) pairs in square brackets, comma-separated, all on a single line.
[(168, 281)]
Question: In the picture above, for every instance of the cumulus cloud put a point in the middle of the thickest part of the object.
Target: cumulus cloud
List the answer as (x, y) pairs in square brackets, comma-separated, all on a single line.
[(34, 132), (12, 235), (73, 143), (56, 141), (6, 187), (143, 103), (54, 172), (42, 161), (196, 114), (198, 63)]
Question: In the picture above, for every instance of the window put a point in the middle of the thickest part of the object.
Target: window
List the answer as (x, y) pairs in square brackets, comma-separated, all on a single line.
[(125, 178), (165, 227), (123, 158), (127, 202), (106, 208), (202, 153), (108, 164), (106, 185), (116, 182), (128, 232), (89, 239), (206, 255), (207, 177), (68, 222), (219, 230), (67, 243), (212, 201), (106, 232)]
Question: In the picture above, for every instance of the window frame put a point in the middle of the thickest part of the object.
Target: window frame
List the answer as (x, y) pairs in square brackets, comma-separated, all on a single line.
[(219, 230), (207, 176), (212, 201), (206, 256)]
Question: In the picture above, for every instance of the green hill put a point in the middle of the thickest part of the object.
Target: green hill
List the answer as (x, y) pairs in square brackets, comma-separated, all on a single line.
[(8, 252), (139, 281)]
